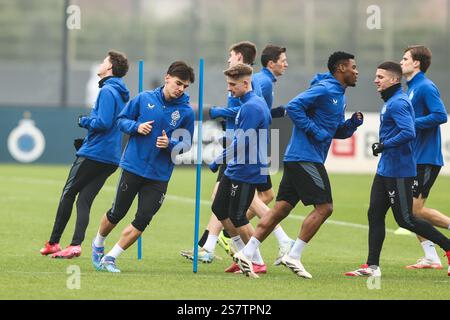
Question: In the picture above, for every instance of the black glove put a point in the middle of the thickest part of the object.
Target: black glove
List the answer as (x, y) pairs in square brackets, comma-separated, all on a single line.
[(377, 148), (278, 112), (354, 119), (223, 123), (77, 143)]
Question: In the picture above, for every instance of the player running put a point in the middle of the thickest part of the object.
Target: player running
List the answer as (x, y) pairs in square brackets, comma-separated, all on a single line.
[(274, 58), (161, 125), (96, 159), (392, 185), (318, 117), (429, 113), (246, 161)]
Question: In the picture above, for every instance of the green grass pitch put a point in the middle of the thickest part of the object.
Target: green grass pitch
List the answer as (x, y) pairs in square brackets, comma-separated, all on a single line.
[(28, 199)]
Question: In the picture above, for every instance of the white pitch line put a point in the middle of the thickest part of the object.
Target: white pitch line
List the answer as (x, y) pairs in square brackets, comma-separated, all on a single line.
[(188, 200), (342, 223), (291, 216)]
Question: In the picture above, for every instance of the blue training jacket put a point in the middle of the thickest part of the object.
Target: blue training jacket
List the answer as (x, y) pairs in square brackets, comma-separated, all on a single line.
[(141, 156), (318, 115), (266, 80), (103, 142), (430, 113), (233, 105), (397, 134), (247, 156)]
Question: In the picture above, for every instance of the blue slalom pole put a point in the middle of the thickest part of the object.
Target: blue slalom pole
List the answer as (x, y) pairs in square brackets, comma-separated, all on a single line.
[(141, 81), (199, 164)]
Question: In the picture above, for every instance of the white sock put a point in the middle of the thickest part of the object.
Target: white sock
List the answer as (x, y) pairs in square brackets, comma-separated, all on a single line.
[(430, 251), (297, 248), (116, 251), (210, 244), (448, 227), (251, 247), (238, 242), (99, 241), (281, 236), (257, 258)]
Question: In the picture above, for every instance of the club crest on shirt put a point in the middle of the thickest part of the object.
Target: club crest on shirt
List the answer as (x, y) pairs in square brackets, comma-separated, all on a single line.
[(175, 117)]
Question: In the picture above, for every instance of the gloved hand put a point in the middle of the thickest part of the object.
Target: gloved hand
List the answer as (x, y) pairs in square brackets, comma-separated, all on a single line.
[(77, 143), (377, 148), (278, 112), (223, 124), (357, 118), (81, 120), (214, 166)]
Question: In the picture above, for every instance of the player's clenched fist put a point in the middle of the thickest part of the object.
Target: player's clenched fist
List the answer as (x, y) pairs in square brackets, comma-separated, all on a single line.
[(162, 141), (145, 128)]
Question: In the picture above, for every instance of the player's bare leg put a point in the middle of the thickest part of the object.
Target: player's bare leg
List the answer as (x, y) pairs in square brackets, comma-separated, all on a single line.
[(129, 236), (270, 220), (431, 259), (433, 216), (314, 220), (105, 227), (284, 241)]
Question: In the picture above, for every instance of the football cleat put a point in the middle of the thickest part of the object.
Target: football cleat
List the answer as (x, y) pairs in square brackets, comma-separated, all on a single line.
[(285, 247), (295, 266), (244, 264), (203, 255), (50, 248), (97, 255), (402, 232), (365, 271), (227, 244), (257, 268), (108, 263), (68, 253), (424, 263), (233, 268), (447, 253)]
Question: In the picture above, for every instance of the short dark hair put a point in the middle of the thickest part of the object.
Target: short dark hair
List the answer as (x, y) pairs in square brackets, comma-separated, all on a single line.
[(337, 58), (181, 70), (393, 67), (421, 54), (247, 49), (271, 53), (238, 71), (119, 63)]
